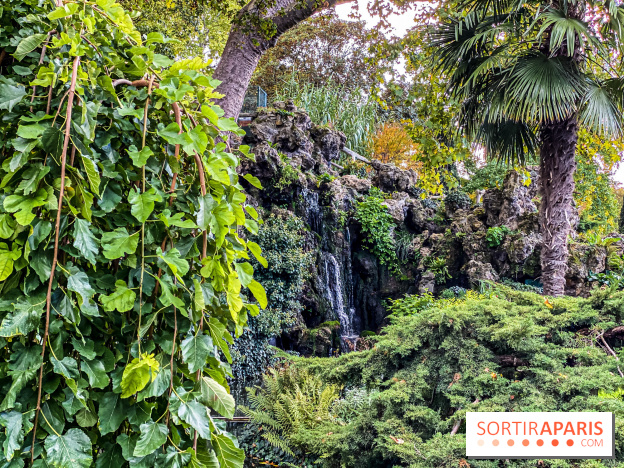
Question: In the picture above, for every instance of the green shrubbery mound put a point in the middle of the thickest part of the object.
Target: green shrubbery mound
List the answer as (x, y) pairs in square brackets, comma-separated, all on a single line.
[(404, 401)]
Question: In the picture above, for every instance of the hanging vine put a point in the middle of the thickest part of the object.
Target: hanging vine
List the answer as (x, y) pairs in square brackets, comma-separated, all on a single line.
[(124, 270)]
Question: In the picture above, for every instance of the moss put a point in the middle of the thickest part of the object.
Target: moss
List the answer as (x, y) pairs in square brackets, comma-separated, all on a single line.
[(368, 333)]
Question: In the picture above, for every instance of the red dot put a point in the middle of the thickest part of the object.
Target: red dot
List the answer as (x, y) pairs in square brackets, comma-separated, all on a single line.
[(525, 442), (570, 442), (555, 442), (510, 442), (540, 442)]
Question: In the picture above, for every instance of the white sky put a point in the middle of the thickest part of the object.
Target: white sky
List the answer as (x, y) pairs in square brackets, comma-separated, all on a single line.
[(401, 23)]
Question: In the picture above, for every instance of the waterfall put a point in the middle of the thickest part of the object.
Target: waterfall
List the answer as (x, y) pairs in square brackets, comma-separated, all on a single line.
[(312, 210), (334, 293)]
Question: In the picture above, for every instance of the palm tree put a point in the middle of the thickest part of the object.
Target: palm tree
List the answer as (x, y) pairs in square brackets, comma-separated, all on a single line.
[(528, 74)]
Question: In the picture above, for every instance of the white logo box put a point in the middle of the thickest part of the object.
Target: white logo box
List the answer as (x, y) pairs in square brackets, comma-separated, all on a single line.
[(540, 435)]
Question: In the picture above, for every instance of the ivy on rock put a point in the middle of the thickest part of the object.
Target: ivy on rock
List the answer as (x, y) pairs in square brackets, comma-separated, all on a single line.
[(124, 273)]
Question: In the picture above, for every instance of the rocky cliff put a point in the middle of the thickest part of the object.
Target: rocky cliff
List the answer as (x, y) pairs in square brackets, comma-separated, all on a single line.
[(438, 244)]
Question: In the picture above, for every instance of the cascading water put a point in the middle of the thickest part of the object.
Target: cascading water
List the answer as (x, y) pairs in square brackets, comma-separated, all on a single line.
[(334, 294), (312, 210)]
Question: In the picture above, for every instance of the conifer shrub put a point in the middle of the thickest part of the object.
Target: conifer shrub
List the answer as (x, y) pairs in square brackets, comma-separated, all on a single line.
[(504, 351)]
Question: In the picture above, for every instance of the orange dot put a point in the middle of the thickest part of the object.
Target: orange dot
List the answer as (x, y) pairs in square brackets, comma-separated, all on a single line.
[(525, 442), (510, 442), (570, 442), (540, 442), (480, 442), (555, 442), (495, 442)]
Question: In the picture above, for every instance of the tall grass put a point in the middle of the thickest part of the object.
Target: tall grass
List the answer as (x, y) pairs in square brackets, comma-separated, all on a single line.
[(351, 111)]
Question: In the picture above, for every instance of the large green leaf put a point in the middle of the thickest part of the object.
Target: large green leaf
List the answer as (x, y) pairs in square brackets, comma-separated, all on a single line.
[(28, 44), (10, 95), (216, 397), (22, 205), (259, 293), (118, 243), (228, 454), (142, 204), (96, 373), (84, 240), (110, 457), (71, 450), (12, 422), (112, 412), (20, 379), (153, 436), (92, 174), (139, 158), (78, 282), (67, 367), (24, 319), (179, 267), (7, 260), (122, 299), (195, 351), (196, 415), (204, 214), (137, 375)]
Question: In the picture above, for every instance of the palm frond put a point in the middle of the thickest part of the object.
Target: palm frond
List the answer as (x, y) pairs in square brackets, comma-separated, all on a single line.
[(602, 109), (509, 141), (543, 89), (566, 30)]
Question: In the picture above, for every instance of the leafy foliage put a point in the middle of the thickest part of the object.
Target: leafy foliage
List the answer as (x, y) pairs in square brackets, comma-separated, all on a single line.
[(122, 261), (496, 235), (377, 225), (504, 351)]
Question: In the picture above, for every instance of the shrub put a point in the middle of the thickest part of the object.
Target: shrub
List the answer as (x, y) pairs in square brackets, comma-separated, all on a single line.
[(496, 235), (117, 306), (510, 351), (377, 226)]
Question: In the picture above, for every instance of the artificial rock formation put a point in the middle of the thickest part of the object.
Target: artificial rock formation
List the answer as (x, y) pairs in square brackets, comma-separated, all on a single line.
[(347, 283)]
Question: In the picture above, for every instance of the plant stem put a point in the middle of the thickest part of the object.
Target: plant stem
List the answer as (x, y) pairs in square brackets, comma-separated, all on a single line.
[(68, 115)]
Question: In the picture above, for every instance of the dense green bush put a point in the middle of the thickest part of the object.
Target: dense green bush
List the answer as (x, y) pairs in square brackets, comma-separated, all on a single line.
[(505, 351), (122, 271), (281, 238), (496, 235), (377, 226)]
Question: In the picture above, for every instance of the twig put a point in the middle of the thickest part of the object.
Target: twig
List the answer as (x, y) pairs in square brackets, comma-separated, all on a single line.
[(610, 351), (70, 104)]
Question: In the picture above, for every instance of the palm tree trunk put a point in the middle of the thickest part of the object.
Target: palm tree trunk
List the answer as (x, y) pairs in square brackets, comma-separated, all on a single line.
[(557, 166)]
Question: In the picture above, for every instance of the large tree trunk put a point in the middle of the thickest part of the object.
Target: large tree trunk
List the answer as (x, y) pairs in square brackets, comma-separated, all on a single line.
[(246, 44), (557, 210)]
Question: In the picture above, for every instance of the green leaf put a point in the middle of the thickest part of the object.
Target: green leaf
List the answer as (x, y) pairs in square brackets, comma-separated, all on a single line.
[(204, 214), (22, 205), (257, 252), (230, 125), (259, 293), (176, 220), (137, 375), (216, 397), (7, 260), (28, 44), (20, 379), (245, 273), (78, 282), (143, 203), (86, 349), (67, 367), (118, 243), (32, 131), (153, 436), (85, 242), (7, 227), (195, 351), (253, 181), (139, 158), (92, 174), (179, 267), (71, 450), (85, 418), (167, 298), (228, 454), (171, 134), (12, 422), (24, 319), (10, 96), (112, 412), (98, 378), (196, 415), (122, 299), (218, 331)]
